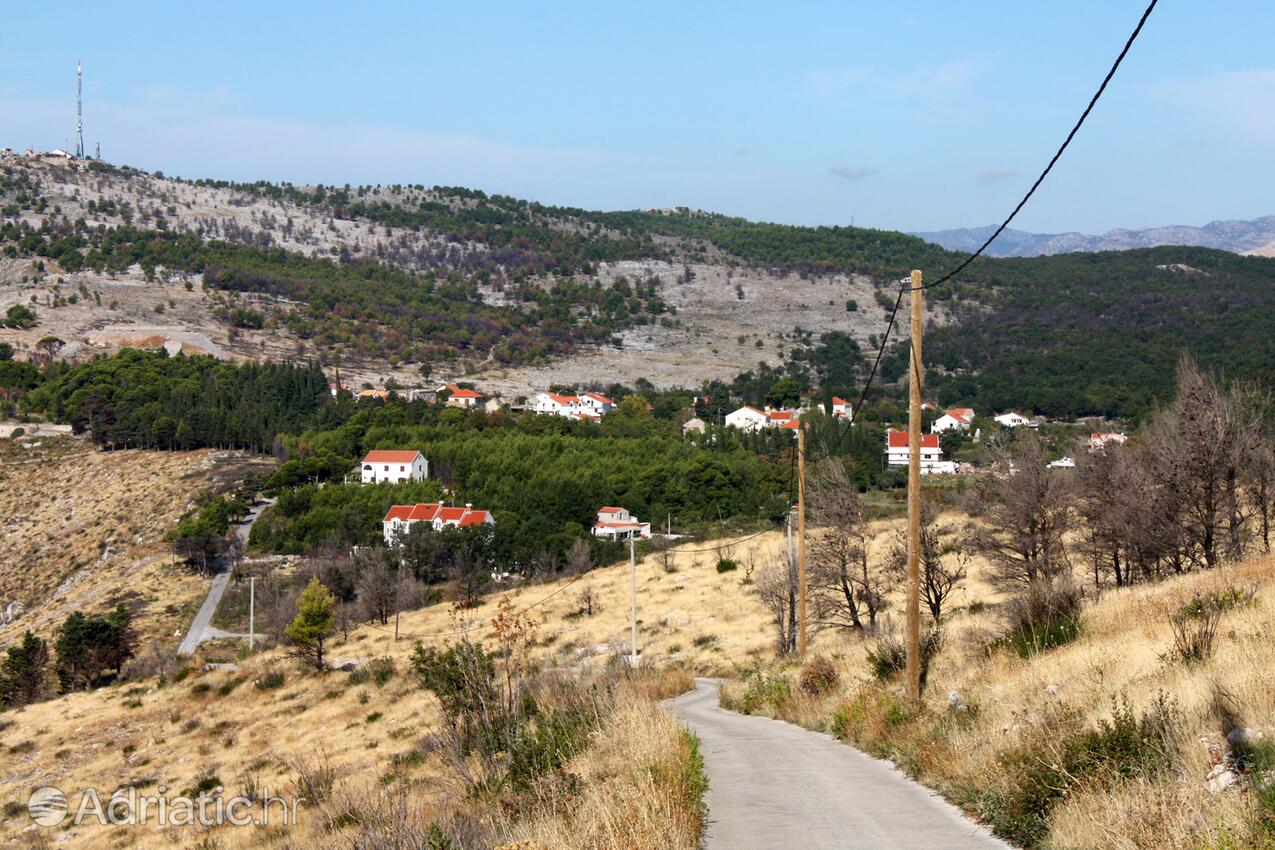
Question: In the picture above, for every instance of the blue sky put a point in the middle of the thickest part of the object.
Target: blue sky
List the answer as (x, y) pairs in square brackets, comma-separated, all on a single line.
[(911, 116)]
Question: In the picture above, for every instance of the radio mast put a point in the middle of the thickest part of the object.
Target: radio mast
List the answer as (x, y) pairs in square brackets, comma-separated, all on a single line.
[(79, 112)]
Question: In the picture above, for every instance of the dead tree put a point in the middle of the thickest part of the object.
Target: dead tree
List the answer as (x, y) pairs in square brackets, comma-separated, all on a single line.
[(776, 586), (1026, 513), (847, 590)]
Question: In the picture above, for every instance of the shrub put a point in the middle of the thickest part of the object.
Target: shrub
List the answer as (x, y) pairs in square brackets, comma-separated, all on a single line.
[(1194, 630), (727, 565), (889, 654), (1042, 771), (1043, 616), (819, 676), (269, 681), (764, 691)]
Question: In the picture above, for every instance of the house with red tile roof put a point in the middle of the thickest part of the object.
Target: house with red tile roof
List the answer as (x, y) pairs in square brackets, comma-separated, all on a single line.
[(959, 418), (749, 418), (589, 406), (390, 466), (618, 524), (400, 518), (897, 451), (461, 397)]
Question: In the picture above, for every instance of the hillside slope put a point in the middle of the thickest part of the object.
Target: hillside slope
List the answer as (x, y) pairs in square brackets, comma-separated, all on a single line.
[(1111, 735), (84, 530)]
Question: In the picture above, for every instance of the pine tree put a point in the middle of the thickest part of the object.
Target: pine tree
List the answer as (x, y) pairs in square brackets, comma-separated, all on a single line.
[(23, 671), (313, 624)]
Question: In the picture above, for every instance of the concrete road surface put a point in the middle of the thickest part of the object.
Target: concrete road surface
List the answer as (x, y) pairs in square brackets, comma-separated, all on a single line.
[(774, 785), (201, 627)]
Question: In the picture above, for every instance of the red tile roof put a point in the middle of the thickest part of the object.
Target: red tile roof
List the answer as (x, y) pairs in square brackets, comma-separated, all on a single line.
[(564, 399), (430, 511), (599, 397), (965, 414), (609, 510), (391, 456), (461, 392), (899, 440)]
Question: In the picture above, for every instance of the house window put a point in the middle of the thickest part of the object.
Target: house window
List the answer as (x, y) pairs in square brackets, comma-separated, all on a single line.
[(401, 468)]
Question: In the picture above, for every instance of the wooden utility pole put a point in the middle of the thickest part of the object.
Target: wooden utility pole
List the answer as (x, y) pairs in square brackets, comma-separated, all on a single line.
[(801, 540), (633, 658), (915, 371), (252, 610)]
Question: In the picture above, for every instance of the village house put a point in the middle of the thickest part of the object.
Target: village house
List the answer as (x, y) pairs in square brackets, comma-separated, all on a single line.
[(381, 394), (1014, 420), (618, 524), (391, 466), (590, 406), (932, 463), (462, 397), (693, 424), (958, 418), (400, 518), (841, 409), (751, 419), (1099, 441)]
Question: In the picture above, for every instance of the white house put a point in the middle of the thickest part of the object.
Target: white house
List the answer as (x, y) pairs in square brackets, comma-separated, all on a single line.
[(401, 517), (897, 451), (747, 419), (959, 418), (693, 424), (751, 419), (392, 466), (1061, 463), (554, 404), (1013, 420), (462, 397), (618, 524), (1098, 442), (841, 409), (596, 402)]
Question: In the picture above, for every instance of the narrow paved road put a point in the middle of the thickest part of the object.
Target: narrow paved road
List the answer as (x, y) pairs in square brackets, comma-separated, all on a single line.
[(775, 786), (201, 627)]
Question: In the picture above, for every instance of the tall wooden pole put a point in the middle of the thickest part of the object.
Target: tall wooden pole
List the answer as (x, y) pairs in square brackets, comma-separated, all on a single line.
[(633, 648), (801, 540), (915, 371)]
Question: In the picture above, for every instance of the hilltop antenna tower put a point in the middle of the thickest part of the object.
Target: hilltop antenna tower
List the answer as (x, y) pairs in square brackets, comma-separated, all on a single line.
[(79, 111)]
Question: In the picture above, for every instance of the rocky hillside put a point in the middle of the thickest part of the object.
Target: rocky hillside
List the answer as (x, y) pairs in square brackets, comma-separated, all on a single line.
[(1255, 237)]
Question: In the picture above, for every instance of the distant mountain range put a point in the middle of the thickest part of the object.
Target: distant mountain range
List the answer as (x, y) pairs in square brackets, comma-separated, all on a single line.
[(1242, 237)]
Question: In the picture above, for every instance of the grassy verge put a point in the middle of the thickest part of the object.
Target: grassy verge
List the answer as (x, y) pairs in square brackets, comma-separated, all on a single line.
[(1117, 734)]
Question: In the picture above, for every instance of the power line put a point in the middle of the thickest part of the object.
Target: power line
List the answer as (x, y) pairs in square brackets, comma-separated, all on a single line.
[(1093, 101)]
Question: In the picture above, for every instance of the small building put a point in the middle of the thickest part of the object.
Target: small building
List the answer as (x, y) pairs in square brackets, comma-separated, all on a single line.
[(897, 447), (694, 424), (619, 524), (747, 419), (1013, 420), (1099, 441), (841, 409), (390, 466), (462, 397), (554, 404), (1062, 463), (596, 402), (381, 394), (751, 419), (400, 518), (958, 418)]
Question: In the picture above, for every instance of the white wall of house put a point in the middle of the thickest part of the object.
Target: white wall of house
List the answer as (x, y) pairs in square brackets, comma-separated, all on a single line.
[(377, 472), (747, 419)]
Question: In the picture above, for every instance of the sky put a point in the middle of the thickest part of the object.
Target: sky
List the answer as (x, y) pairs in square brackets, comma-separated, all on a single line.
[(899, 115)]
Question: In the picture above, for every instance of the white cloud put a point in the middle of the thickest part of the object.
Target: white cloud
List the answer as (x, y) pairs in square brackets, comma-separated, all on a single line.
[(1238, 101), (851, 172), (996, 173), (933, 82)]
